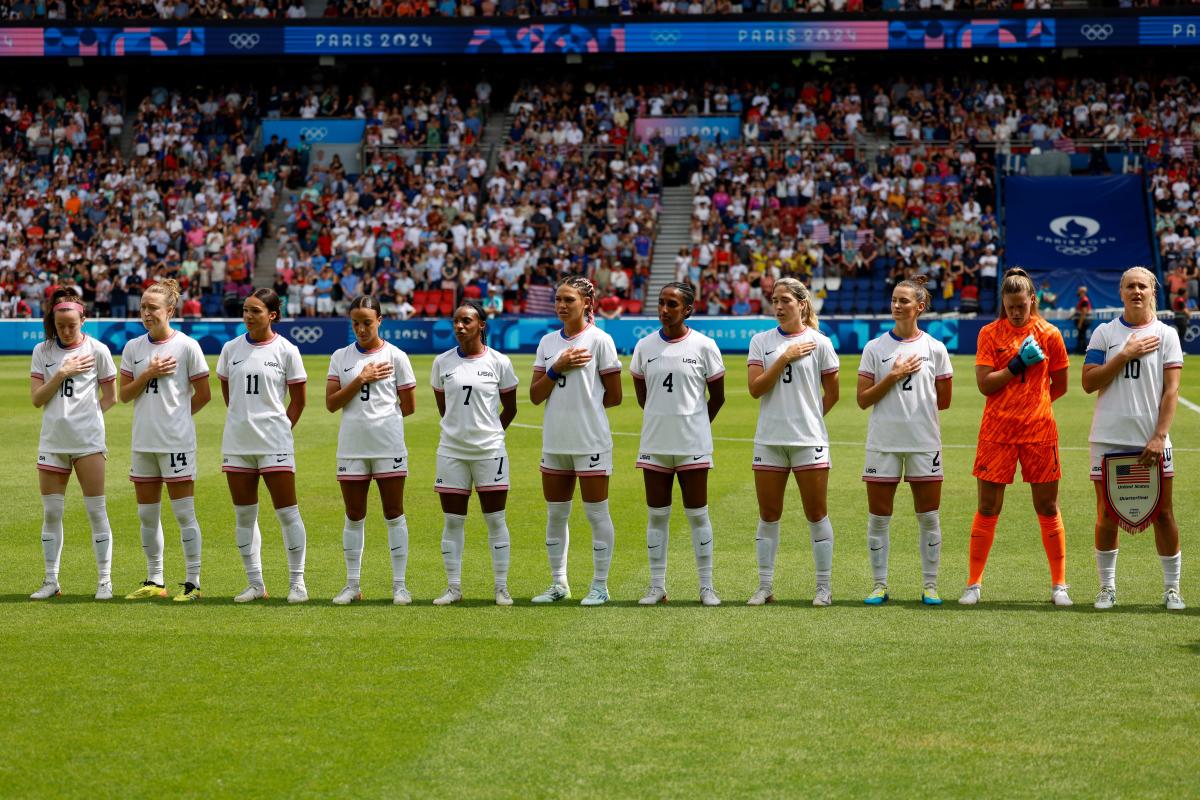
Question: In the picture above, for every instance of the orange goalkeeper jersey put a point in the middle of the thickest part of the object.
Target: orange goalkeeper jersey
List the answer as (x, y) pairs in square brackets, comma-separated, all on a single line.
[(1020, 412)]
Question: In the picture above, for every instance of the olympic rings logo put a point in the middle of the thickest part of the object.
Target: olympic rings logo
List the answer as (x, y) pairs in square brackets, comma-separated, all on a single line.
[(244, 41), (307, 334), (315, 134), (1096, 33), (644, 330), (1076, 250)]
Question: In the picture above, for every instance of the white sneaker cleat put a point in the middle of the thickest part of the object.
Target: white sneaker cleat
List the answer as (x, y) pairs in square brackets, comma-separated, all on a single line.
[(400, 596), (654, 596), (708, 597), (1172, 600), (453, 594), (970, 595), (47, 590), (553, 593), (348, 595), (823, 597), (503, 598), (255, 591), (1059, 596), (104, 590), (297, 593), (596, 596), (761, 597), (1106, 598)]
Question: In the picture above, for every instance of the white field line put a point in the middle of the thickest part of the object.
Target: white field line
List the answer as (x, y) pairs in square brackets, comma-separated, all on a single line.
[(1189, 404)]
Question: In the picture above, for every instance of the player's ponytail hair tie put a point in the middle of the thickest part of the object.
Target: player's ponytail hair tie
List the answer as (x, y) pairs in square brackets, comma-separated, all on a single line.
[(69, 306)]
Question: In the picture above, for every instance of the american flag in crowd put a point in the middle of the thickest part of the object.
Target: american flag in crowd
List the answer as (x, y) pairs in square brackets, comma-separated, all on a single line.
[(539, 300), (1132, 473), (1064, 145), (820, 232)]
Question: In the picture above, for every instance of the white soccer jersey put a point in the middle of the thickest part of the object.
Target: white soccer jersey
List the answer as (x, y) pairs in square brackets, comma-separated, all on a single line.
[(906, 420), (576, 422), (677, 373), (790, 413), (372, 426), (162, 413), (472, 386), (1127, 410), (258, 374), (72, 421)]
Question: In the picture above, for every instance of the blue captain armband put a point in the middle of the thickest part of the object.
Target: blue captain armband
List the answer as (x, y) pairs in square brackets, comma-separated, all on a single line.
[(1094, 357)]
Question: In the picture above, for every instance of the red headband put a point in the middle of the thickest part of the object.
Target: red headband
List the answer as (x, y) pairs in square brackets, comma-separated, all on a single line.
[(69, 306)]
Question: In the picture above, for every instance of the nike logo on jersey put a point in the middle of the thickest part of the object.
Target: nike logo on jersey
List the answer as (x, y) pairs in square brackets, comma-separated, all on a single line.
[(140, 360), (179, 470), (347, 369), (51, 364), (769, 352), (652, 360), (1111, 346), (547, 358), (885, 360), (235, 363)]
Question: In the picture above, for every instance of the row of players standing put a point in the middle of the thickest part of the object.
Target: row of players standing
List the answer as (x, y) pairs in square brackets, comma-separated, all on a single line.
[(678, 375)]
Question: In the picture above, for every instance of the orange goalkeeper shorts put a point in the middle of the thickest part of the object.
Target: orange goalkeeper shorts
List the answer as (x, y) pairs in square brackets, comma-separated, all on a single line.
[(996, 462)]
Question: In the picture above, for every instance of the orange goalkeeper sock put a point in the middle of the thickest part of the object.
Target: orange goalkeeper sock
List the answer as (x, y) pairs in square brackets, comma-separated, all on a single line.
[(1054, 540), (983, 533)]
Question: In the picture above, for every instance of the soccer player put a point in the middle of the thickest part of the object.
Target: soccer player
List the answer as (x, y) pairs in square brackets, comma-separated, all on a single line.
[(372, 381), (672, 368), (1135, 362), (258, 371), (71, 380), (905, 378), (1021, 367), (476, 392), (165, 375), (793, 372), (577, 374)]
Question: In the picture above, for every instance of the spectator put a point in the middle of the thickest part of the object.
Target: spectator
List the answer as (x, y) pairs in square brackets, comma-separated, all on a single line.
[(1083, 319)]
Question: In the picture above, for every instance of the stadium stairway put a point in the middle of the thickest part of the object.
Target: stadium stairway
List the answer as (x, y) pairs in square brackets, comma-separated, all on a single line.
[(495, 134), (264, 264), (674, 231), (126, 143)]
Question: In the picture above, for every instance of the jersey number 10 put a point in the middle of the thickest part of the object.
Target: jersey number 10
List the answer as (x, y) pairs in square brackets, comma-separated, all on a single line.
[(1133, 369)]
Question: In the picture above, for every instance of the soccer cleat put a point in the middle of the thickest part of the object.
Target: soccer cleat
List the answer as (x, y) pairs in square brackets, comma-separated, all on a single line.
[(400, 596), (761, 597), (878, 595), (297, 593), (970, 595), (654, 596), (47, 590), (345, 597), (1172, 600), (453, 594), (596, 596), (1106, 598), (1059, 596), (148, 590), (104, 590), (930, 596), (255, 591), (823, 597), (553, 594), (190, 594), (503, 598), (708, 597)]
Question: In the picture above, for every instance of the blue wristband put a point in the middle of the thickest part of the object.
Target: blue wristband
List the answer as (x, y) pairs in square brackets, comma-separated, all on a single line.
[(552, 375)]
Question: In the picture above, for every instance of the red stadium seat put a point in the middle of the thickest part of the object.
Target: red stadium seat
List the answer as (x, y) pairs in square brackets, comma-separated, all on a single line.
[(632, 306), (755, 307), (472, 291)]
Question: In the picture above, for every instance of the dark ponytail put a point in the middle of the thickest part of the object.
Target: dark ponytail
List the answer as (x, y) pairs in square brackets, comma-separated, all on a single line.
[(686, 289), (367, 301), (269, 299)]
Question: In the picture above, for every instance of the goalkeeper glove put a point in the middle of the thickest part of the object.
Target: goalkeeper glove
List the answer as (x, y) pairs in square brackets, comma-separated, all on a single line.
[(1029, 353)]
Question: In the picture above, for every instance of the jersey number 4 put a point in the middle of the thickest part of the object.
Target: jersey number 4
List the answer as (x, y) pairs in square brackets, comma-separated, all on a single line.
[(669, 382)]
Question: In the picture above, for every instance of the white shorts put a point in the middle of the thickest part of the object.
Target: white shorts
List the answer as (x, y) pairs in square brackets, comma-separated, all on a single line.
[(657, 462), (1100, 449), (584, 466), (167, 467), (458, 475), (914, 467), (61, 462), (789, 458), (325, 305), (274, 462), (364, 469)]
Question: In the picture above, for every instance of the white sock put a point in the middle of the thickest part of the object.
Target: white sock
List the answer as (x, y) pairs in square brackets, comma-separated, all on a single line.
[(821, 535), (930, 525), (101, 536), (766, 544), (658, 534), (53, 506), (249, 542), (453, 537), (558, 539), (603, 539), (184, 510), (397, 529), (1106, 566), (702, 543), (500, 545), (353, 539), (879, 541), (295, 539), (152, 540), (1171, 566)]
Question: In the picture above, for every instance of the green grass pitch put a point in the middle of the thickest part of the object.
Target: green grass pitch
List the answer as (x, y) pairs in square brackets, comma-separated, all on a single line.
[(1012, 698)]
